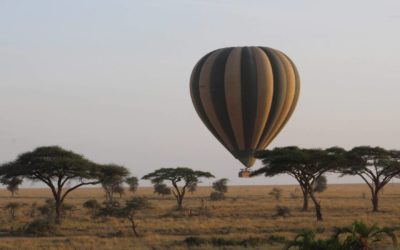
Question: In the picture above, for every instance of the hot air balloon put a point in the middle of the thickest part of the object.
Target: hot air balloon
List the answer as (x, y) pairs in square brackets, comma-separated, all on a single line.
[(245, 96)]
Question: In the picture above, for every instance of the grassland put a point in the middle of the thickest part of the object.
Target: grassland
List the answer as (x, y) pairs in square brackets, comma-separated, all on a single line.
[(248, 211)]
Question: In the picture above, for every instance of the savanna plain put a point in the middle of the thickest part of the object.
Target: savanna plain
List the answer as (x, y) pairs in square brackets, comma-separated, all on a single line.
[(247, 212)]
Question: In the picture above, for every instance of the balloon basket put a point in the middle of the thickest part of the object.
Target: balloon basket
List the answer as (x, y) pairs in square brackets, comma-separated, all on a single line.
[(244, 173)]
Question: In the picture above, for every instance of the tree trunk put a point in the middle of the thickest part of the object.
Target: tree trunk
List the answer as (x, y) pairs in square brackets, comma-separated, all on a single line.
[(317, 205), (179, 200), (134, 227), (375, 201), (58, 211), (305, 201)]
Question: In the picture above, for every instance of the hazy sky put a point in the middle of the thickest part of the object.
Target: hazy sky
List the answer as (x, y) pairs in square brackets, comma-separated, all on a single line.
[(110, 79)]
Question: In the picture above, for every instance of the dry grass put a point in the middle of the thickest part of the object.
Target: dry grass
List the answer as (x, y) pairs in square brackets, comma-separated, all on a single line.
[(246, 212)]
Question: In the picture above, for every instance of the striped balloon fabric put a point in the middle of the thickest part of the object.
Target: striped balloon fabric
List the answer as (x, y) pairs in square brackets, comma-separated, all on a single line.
[(245, 96)]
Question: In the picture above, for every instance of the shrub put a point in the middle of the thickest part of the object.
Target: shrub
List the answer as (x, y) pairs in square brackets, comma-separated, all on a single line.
[(276, 193), (194, 241), (282, 211), (91, 204), (216, 196), (162, 189), (220, 185), (48, 208), (40, 227), (12, 208)]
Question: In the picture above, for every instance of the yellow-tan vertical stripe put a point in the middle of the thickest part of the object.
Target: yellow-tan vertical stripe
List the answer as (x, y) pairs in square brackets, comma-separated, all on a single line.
[(278, 98), (295, 99), (206, 98), (265, 88), (290, 94), (233, 95)]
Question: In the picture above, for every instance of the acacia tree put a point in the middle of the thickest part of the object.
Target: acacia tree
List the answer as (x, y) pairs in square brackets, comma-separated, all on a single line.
[(112, 177), (129, 211), (221, 185), (187, 176), (161, 189), (55, 167), (320, 184), (133, 183), (375, 165), (305, 165), (12, 184)]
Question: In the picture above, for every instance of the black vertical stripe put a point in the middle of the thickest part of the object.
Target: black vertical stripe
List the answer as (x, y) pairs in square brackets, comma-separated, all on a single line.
[(195, 93), (279, 82), (248, 79), (217, 89)]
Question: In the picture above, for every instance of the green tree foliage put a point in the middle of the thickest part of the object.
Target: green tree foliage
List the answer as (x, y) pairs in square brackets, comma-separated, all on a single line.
[(360, 236), (192, 187), (92, 205), (112, 177), (128, 211), (161, 189), (183, 175), (320, 184), (12, 208), (216, 196), (375, 165), (55, 167), (221, 185), (133, 183), (357, 236), (12, 184), (305, 165)]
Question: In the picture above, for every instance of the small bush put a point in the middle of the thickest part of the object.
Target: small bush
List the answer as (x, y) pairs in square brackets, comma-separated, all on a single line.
[(194, 241), (12, 208), (282, 211), (216, 196), (48, 208), (276, 193), (91, 204), (221, 242), (40, 227)]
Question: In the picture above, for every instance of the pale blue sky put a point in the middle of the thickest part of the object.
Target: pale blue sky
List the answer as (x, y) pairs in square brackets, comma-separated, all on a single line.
[(110, 79)]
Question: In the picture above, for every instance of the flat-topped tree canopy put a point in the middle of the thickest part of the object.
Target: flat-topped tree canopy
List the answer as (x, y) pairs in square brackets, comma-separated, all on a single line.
[(189, 177), (50, 163), (55, 167)]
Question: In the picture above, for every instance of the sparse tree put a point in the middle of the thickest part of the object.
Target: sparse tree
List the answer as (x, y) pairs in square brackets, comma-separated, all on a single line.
[(12, 184), (119, 190), (221, 185), (129, 211), (216, 196), (305, 165), (92, 205), (133, 183), (111, 178), (12, 208), (375, 165), (161, 189), (276, 193), (54, 167), (177, 175), (192, 187), (320, 184)]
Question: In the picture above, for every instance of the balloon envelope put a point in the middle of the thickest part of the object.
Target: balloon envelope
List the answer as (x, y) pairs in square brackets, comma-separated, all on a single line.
[(245, 96)]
